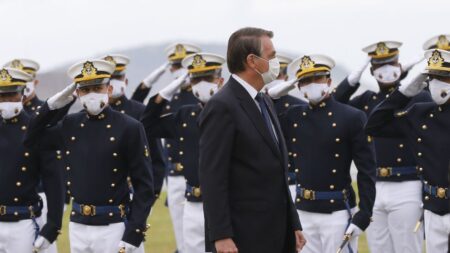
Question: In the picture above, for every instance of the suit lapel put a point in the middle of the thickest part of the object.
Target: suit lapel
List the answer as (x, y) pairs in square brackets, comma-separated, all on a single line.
[(252, 111)]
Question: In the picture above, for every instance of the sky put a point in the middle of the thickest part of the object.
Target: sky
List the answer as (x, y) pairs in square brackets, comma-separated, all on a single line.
[(61, 31)]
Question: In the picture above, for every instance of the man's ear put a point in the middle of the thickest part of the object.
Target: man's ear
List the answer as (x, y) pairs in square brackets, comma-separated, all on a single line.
[(126, 81), (36, 82), (77, 91), (329, 82), (250, 60)]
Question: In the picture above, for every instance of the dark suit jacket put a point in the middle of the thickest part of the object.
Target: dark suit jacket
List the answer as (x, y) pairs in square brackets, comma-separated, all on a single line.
[(243, 175)]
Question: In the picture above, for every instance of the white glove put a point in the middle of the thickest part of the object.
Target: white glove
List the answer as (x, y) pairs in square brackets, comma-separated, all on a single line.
[(353, 230), (356, 74), (155, 75), (282, 89), (126, 247), (407, 67), (170, 90), (414, 87), (41, 244), (62, 98)]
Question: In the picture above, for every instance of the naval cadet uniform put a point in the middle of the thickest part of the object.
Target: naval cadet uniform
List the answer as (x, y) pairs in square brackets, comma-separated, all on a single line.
[(398, 202), (324, 139), (31, 106), (135, 109), (22, 169), (182, 124), (425, 125), (101, 152), (176, 185)]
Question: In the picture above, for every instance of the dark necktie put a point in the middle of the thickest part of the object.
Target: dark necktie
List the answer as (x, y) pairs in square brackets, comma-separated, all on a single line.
[(265, 115)]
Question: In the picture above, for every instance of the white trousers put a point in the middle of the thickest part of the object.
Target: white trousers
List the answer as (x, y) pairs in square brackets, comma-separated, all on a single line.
[(324, 232), (17, 237), (395, 214), (193, 228), (42, 220), (97, 239), (293, 190), (437, 229), (176, 187)]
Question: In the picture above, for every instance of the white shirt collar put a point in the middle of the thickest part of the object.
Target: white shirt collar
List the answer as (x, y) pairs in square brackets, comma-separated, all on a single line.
[(250, 89)]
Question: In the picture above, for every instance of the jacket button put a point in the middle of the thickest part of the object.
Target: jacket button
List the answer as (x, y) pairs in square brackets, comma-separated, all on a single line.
[(24, 168), (18, 184)]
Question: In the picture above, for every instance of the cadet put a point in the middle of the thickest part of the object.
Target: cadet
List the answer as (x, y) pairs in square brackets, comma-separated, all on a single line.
[(205, 78), (31, 103), (22, 168), (426, 126), (176, 184), (281, 105), (102, 148), (325, 137), (119, 102), (398, 202)]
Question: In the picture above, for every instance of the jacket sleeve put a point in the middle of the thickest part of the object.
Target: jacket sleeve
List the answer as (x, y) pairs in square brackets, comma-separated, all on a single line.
[(387, 119), (52, 165), (140, 171), (157, 125), (140, 93), (216, 144), (158, 165), (344, 91), (47, 123), (363, 154)]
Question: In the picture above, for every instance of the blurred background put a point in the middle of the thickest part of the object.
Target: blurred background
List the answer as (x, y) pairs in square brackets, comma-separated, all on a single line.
[(58, 33)]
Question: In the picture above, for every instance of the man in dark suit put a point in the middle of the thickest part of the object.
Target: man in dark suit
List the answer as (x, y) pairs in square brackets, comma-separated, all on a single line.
[(243, 157)]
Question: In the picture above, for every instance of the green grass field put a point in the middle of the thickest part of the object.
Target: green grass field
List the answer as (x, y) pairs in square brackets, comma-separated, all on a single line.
[(160, 237)]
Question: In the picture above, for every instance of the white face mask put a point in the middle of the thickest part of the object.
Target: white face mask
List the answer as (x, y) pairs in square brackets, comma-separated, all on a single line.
[(387, 74), (10, 110), (204, 90), (273, 71), (315, 92), (119, 87), (29, 89), (272, 84), (440, 91), (94, 103)]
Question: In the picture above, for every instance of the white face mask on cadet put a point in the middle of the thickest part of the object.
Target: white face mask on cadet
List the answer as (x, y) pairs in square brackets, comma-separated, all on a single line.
[(204, 90), (315, 92), (387, 74), (119, 87), (94, 103), (29, 89), (10, 110), (272, 73), (440, 91)]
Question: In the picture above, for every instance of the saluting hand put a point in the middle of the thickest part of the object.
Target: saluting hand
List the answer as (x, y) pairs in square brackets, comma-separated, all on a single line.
[(225, 246), (300, 240)]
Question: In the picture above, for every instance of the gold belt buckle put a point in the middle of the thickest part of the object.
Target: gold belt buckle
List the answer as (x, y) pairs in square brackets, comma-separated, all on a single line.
[(2, 210), (179, 167), (87, 210), (385, 171), (440, 193), (197, 192), (308, 194)]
